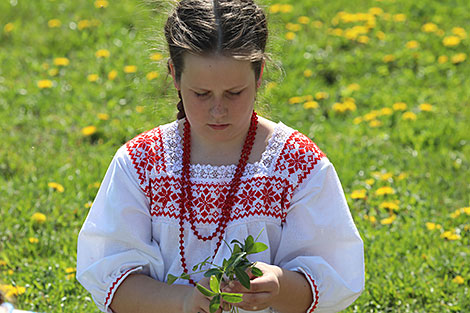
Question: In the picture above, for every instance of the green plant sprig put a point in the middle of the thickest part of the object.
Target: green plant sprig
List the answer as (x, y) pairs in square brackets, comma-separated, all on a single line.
[(233, 268)]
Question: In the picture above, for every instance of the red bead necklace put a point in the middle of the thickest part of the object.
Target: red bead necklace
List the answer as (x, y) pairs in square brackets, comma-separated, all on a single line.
[(187, 196)]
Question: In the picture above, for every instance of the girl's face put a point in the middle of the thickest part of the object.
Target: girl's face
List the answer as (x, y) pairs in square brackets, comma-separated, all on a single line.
[(218, 96)]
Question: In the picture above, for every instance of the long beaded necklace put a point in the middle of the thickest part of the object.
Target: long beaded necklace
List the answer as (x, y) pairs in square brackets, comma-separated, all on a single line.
[(186, 193)]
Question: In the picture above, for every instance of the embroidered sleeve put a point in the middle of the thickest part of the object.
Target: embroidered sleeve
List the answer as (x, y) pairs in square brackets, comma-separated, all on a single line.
[(116, 240), (320, 240)]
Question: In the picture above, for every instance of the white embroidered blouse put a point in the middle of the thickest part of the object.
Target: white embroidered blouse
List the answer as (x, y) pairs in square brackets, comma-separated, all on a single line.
[(292, 196)]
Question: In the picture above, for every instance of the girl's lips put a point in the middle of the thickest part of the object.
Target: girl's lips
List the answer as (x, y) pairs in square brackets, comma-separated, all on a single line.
[(218, 126)]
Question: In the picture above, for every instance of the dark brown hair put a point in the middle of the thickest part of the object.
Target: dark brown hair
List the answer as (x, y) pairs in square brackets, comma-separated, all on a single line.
[(236, 28)]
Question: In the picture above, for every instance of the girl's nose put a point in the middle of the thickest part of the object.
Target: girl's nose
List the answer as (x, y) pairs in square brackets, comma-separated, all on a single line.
[(218, 108)]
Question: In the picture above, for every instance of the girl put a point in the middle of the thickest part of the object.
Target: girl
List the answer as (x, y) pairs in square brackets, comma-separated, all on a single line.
[(173, 194)]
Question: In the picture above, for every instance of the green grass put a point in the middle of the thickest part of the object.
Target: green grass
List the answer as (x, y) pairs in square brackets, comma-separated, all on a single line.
[(409, 268)]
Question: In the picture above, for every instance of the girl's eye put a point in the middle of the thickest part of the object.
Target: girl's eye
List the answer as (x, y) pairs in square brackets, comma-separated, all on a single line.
[(235, 93), (201, 94)]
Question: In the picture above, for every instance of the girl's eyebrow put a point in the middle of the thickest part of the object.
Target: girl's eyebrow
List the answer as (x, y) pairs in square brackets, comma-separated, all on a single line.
[(204, 89)]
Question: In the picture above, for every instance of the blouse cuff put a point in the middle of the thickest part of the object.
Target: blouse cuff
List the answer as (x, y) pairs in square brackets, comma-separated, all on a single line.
[(114, 286), (314, 288)]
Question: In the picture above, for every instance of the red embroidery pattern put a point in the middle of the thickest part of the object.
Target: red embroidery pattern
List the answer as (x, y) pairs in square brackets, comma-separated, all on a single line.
[(315, 290), (113, 286)]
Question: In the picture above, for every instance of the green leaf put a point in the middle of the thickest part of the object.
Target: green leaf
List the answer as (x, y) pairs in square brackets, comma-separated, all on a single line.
[(213, 271), (171, 279), (214, 283), (237, 249), (236, 241), (195, 267), (185, 276), (205, 291), (232, 297), (249, 241), (242, 277), (257, 247), (256, 272), (214, 304)]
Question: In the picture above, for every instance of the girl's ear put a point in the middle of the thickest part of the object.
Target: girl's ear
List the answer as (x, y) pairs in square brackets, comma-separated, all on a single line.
[(260, 79), (172, 72)]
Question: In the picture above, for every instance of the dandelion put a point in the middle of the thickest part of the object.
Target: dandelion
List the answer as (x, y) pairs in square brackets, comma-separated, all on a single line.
[(56, 186), (357, 120), (455, 214), (112, 75), (54, 23), (321, 95), (290, 36), (38, 218), (286, 8), (432, 226), (370, 181), (363, 39), (375, 123), (275, 8), (139, 109), (156, 57), (293, 27), (311, 105), (399, 106), (88, 205), (358, 194), (426, 107), (12, 291), (450, 235), (308, 73), (382, 191), (380, 35), (402, 176), (386, 176), (102, 53), (386, 111), (459, 31), (466, 210), (33, 240), (371, 219), (371, 115), (45, 83), (459, 58), (303, 20), (353, 87), (294, 100), (376, 11), (101, 4), (103, 116), (53, 72), (451, 41), (399, 17), (130, 69), (442, 59), (388, 220), (412, 44), (93, 77), (89, 130), (339, 107), (429, 28), (152, 75), (70, 271), (350, 105), (61, 62), (83, 24), (458, 280), (409, 116), (388, 58), (390, 205)]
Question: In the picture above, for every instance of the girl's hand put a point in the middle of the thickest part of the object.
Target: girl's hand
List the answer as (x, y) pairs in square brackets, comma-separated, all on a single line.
[(195, 301), (263, 290)]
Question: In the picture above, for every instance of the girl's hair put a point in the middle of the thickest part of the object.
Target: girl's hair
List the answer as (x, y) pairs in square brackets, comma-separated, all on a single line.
[(236, 28)]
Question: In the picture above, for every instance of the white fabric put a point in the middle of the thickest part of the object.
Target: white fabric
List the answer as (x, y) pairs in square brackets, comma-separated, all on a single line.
[(309, 229)]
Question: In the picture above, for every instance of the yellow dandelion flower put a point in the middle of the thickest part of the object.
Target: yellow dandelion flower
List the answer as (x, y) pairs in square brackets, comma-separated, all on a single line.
[(450, 235), (363, 39), (389, 205), (388, 58), (386, 111), (373, 219), (317, 24), (388, 220), (54, 23), (426, 107), (303, 20), (409, 116), (442, 59), (353, 87), (399, 106), (382, 191), (286, 8), (466, 210), (371, 116), (459, 58), (102, 53), (293, 27), (459, 31), (294, 100), (455, 214), (402, 176), (112, 75), (56, 186), (101, 4), (380, 35), (336, 32), (88, 205), (429, 28), (399, 17), (358, 120), (321, 95), (275, 8), (38, 218), (70, 270), (339, 107), (412, 44), (3, 263), (61, 62), (156, 57), (290, 36), (375, 123), (103, 116), (45, 83), (308, 73), (431, 226), (311, 105), (8, 27), (350, 105), (451, 41), (89, 130), (33, 240), (139, 109), (12, 291), (130, 69), (93, 77), (53, 72), (152, 75), (386, 176), (83, 24), (370, 181), (458, 280), (358, 194), (375, 11), (307, 98)]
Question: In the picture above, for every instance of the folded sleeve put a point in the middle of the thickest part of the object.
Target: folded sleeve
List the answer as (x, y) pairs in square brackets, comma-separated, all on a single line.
[(116, 237), (320, 240)]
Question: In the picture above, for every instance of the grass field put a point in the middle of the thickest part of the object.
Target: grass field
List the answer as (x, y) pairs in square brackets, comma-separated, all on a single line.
[(381, 86)]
